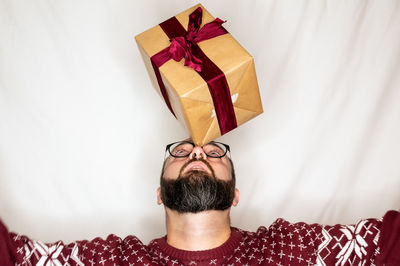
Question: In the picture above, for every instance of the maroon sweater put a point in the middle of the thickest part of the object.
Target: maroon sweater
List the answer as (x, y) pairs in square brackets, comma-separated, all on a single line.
[(369, 242)]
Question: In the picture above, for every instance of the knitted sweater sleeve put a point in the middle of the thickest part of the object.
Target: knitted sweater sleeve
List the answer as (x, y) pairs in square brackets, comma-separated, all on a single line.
[(389, 240), (17, 249), (7, 251), (368, 242)]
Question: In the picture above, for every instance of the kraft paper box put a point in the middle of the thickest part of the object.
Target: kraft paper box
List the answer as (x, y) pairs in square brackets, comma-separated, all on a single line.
[(222, 94)]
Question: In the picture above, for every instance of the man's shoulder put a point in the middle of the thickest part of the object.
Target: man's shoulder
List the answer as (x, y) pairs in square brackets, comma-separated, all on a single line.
[(280, 227)]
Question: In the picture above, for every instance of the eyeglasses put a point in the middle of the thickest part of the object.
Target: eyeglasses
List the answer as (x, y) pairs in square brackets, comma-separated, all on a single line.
[(184, 148)]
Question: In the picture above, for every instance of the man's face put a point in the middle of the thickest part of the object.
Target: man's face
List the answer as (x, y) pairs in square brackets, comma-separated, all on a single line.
[(219, 167), (197, 182)]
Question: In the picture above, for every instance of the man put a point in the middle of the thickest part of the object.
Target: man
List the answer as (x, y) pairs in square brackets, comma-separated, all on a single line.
[(197, 188)]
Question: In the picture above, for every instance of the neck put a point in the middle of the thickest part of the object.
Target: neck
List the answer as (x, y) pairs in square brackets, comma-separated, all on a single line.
[(197, 231)]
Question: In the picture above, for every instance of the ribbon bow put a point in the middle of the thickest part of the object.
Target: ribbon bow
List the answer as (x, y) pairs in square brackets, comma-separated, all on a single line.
[(181, 46)]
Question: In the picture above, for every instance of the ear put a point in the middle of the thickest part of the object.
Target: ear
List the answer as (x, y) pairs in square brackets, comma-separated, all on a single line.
[(235, 201), (159, 201)]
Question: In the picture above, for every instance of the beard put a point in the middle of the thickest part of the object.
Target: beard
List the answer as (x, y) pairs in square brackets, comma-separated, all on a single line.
[(197, 191)]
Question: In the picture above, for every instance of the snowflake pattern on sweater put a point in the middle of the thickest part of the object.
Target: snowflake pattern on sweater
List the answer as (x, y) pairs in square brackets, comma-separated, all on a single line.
[(283, 243)]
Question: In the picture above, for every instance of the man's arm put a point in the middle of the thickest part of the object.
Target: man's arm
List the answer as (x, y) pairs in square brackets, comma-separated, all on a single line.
[(7, 253), (369, 242), (389, 241), (20, 250)]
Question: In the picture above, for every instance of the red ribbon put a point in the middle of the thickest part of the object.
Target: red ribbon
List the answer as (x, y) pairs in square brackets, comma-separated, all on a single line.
[(184, 45)]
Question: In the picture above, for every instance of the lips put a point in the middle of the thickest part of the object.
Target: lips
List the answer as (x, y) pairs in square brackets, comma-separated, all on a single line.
[(197, 166)]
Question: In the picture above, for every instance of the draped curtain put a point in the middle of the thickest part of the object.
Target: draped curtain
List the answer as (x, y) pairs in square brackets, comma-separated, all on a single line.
[(82, 131)]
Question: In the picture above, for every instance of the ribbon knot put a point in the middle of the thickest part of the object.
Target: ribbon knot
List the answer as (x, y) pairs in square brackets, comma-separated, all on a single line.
[(182, 46)]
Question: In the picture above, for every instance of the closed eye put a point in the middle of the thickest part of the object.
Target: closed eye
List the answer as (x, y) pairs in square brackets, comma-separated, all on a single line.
[(181, 152), (214, 153)]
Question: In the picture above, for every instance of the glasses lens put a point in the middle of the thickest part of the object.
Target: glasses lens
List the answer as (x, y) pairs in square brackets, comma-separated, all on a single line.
[(214, 149), (181, 149)]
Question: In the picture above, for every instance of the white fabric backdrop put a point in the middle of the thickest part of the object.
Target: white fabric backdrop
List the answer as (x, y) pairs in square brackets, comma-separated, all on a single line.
[(82, 132)]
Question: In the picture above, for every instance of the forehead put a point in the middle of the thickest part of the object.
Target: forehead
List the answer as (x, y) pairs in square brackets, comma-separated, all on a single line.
[(189, 140)]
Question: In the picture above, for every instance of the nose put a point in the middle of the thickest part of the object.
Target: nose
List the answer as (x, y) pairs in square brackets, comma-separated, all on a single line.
[(198, 153)]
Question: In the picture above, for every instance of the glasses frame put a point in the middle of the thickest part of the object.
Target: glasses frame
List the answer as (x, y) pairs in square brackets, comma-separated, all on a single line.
[(228, 149)]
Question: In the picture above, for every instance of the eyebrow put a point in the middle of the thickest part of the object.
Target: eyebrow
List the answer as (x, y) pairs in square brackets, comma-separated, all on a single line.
[(191, 142), (215, 144)]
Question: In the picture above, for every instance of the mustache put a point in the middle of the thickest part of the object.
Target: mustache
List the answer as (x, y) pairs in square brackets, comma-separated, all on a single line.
[(196, 160)]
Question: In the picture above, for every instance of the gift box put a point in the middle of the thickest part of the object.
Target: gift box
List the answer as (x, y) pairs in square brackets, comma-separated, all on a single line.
[(206, 78)]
